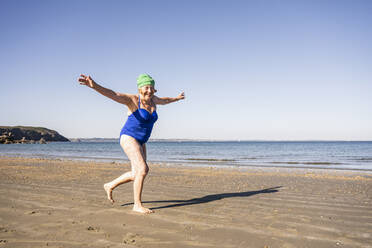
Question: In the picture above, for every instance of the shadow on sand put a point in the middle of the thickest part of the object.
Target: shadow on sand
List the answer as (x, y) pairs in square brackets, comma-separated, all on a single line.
[(208, 198)]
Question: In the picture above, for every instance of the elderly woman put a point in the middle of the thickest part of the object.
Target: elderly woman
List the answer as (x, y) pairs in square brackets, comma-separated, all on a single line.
[(136, 131)]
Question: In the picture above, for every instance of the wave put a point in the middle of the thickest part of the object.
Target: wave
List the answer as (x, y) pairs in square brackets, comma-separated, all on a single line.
[(210, 159), (307, 163)]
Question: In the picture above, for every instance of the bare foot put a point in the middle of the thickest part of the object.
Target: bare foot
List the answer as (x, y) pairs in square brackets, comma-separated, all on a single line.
[(142, 210), (108, 192)]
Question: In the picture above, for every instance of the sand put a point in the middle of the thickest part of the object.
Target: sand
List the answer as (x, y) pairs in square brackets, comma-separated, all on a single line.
[(55, 203)]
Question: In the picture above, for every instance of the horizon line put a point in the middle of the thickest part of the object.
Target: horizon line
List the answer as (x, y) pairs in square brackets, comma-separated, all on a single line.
[(235, 140)]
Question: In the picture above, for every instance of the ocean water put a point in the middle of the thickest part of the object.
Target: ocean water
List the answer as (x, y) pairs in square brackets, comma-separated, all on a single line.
[(351, 155)]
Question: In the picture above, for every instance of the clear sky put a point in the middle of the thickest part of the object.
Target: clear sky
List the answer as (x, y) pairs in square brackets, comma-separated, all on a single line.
[(269, 70)]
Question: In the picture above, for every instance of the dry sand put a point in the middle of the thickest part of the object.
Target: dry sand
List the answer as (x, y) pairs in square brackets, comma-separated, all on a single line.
[(53, 203)]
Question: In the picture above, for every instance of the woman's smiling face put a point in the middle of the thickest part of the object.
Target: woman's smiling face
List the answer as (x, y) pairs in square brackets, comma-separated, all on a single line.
[(147, 91)]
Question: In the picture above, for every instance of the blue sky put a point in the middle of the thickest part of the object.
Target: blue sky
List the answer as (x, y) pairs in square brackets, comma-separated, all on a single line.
[(271, 70)]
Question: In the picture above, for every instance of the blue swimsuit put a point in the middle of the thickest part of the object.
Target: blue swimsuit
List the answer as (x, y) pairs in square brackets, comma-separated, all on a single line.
[(139, 124)]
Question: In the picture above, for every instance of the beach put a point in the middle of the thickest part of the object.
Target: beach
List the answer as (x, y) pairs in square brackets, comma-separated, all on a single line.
[(61, 203)]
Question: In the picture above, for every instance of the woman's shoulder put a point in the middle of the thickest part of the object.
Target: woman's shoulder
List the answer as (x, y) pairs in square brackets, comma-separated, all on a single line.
[(132, 105)]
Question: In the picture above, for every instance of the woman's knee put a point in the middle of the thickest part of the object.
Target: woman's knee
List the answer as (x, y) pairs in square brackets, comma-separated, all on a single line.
[(142, 170)]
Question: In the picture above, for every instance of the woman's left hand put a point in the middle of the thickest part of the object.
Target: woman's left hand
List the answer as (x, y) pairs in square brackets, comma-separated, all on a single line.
[(181, 96)]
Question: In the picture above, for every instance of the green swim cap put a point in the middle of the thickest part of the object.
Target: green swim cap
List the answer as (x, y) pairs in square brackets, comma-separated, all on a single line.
[(145, 79)]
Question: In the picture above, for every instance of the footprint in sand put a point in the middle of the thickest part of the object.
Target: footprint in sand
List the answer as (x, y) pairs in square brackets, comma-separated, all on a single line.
[(130, 238), (3, 229), (91, 228)]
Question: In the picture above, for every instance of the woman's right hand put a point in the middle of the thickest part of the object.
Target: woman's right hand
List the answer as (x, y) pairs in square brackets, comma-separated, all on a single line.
[(86, 80)]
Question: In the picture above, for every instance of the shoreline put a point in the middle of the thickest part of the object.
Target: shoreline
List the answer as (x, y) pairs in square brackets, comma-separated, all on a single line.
[(190, 164), (59, 203)]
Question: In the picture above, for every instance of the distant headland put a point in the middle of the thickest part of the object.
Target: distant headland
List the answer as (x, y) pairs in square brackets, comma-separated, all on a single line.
[(29, 135)]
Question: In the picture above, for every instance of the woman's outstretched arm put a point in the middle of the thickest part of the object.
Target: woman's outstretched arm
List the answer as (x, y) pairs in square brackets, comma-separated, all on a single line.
[(118, 97), (167, 100)]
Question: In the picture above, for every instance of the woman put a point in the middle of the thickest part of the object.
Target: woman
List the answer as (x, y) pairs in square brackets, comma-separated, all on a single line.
[(136, 131)]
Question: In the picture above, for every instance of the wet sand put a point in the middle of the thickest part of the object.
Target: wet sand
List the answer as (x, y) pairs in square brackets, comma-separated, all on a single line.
[(54, 203)]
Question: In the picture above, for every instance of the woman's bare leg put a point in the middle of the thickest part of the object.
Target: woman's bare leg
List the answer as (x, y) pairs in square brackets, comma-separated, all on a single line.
[(126, 177), (137, 156)]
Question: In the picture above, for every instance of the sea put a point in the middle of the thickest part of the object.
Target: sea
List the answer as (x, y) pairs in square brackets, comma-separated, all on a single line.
[(340, 155)]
